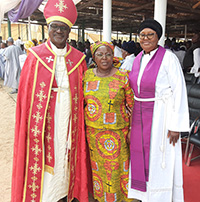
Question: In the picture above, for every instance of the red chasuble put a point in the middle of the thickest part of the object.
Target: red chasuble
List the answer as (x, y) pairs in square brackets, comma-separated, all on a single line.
[(34, 131)]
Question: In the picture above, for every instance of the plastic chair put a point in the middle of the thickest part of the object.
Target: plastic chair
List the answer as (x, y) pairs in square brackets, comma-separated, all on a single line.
[(192, 141)]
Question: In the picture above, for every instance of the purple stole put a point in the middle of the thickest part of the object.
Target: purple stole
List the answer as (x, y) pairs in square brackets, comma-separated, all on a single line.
[(142, 118)]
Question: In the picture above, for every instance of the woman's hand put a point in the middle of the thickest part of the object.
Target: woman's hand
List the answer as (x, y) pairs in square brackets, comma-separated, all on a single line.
[(128, 137), (128, 110), (173, 137)]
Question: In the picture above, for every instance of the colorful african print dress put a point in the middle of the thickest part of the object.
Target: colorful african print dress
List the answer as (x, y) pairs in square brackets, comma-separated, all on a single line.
[(107, 125)]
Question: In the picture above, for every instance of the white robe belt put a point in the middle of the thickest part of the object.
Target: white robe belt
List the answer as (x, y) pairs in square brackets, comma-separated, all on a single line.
[(59, 90), (163, 97)]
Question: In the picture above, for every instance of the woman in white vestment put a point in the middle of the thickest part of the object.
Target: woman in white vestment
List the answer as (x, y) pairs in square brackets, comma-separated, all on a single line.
[(156, 162)]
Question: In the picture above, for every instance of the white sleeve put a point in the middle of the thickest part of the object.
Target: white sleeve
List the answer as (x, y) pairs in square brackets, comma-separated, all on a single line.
[(179, 118), (196, 65), (6, 53)]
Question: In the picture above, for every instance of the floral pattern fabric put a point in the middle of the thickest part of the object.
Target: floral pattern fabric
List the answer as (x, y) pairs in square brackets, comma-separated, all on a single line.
[(107, 125)]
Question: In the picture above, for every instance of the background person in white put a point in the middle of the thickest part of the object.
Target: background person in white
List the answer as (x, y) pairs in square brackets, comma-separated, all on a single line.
[(2, 60), (191, 61), (18, 42), (196, 56), (12, 65), (165, 159), (128, 49)]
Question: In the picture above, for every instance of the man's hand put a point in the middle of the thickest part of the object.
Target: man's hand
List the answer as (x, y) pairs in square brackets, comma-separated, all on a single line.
[(173, 137)]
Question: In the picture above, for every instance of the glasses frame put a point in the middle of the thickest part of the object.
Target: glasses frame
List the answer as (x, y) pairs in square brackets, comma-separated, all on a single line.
[(56, 27), (107, 55), (148, 36)]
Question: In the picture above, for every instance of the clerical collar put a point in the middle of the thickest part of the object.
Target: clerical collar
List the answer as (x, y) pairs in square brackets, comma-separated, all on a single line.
[(58, 51), (151, 53)]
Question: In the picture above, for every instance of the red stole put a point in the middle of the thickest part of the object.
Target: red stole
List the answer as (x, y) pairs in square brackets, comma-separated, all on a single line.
[(34, 131), (142, 118)]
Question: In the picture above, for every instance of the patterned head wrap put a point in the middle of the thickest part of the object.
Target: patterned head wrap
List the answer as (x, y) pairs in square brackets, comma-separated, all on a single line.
[(117, 62), (98, 44), (28, 44)]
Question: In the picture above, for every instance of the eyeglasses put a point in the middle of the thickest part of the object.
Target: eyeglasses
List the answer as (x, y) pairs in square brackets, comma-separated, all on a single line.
[(56, 27), (100, 55), (149, 36)]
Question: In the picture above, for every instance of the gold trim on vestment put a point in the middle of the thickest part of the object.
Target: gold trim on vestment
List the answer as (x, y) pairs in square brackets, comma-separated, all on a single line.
[(76, 104), (28, 133), (35, 54), (76, 65), (67, 53), (49, 169), (49, 96), (47, 45), (59, 18), (70, 130)]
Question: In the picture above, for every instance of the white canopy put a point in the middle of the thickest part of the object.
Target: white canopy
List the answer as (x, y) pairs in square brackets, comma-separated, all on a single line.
[(5, 6)]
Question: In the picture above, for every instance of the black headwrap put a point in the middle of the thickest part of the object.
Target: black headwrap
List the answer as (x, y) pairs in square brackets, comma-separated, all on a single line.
[(152, 24)]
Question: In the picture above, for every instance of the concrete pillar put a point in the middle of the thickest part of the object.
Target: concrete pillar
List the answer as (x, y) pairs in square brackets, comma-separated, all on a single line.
[(27, 32), (43, 35), (136, 38), (22, 36), (29, 29), (101, 35), (185, 33), (83, 32), (9, 28), (160, 9), (18, 30), (78, 34), (130, 38), (107, 20)]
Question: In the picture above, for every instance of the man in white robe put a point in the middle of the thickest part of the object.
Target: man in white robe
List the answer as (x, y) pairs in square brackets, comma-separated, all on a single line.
[(12, 66), (2, 60), (18, 42)]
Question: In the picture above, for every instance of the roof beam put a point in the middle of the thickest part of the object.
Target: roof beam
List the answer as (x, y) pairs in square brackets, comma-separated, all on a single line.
[(86, 5)]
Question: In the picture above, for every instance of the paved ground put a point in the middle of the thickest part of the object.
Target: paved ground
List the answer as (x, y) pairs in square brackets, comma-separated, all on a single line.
[(7, 120)]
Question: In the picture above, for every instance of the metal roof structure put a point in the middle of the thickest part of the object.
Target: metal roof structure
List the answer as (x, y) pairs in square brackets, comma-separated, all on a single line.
[(128, 14)]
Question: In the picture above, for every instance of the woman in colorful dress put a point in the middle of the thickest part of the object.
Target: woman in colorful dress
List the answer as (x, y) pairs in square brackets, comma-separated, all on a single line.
[(107, 93)]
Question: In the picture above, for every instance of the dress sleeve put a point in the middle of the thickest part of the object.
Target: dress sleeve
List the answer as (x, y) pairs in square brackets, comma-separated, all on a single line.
[(128, 92)]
